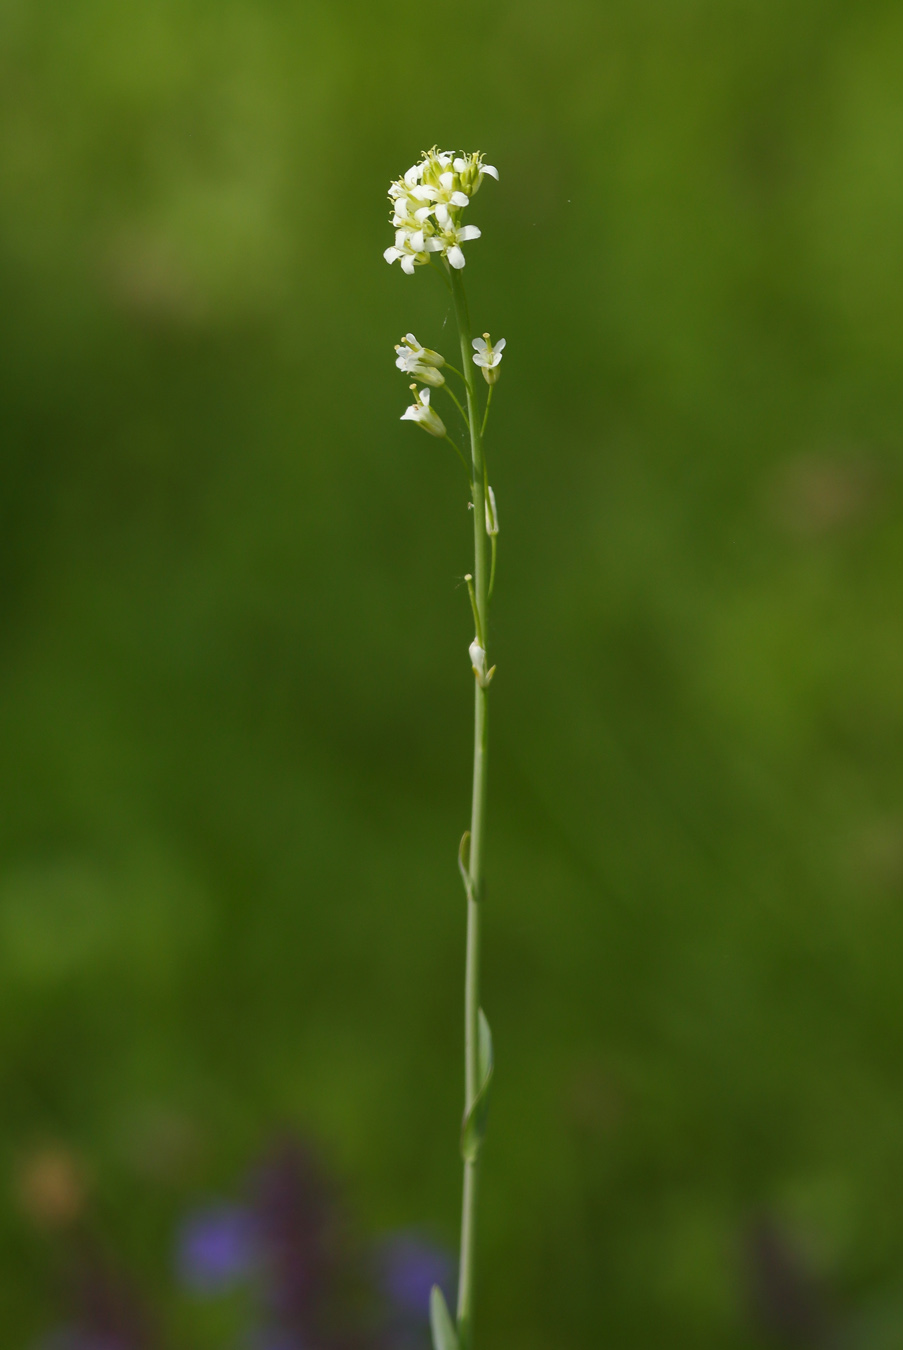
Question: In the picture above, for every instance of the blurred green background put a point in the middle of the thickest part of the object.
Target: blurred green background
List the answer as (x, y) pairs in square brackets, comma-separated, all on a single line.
[(235, 695)]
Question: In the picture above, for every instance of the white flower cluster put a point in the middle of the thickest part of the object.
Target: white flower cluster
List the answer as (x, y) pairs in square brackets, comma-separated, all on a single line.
[(427, 204)]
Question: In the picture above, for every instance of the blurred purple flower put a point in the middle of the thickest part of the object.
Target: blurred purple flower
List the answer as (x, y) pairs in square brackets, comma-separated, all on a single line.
[(216, 1248), (787, 1300), (293, 1209), (313, 1282), (103, 1310), (410, 1266)]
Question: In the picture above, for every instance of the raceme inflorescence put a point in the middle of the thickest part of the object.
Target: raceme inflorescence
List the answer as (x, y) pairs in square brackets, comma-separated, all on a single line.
[(427, 204), (426, 208)]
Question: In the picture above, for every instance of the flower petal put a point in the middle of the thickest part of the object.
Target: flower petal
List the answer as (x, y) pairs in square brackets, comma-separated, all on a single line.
[(492, 171), (391, 254), (459, 199), (479, 344), (407, 265), (468, 232), (500, 345), (455, 257)]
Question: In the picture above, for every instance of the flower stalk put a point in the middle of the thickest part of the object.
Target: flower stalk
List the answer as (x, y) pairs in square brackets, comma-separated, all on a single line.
[(477, 821), (426, 205)]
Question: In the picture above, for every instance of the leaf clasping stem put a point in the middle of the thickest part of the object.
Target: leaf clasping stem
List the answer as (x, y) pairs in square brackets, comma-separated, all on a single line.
[(476, 613)]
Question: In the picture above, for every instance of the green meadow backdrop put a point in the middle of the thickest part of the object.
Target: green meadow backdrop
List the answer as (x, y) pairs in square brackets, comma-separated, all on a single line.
[(235, 699)]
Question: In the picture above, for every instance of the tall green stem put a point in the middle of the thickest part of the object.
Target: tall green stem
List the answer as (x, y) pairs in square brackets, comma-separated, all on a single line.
[(477, 823)]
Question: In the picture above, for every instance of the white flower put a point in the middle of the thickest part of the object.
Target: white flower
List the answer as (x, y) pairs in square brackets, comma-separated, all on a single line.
[(453, 239), (412, 249), (402, 186), (419, 361), (421, 413), (453, 236), (410, 349), (492, 515), (409, 215), (478, 664), (488, 357), (445, 191)]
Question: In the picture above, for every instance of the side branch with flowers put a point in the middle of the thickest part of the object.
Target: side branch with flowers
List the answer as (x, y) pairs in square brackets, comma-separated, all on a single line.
[(427, 203)]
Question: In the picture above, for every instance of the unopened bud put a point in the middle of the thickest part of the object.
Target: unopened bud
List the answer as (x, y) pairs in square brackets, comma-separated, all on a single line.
[(425, 374)]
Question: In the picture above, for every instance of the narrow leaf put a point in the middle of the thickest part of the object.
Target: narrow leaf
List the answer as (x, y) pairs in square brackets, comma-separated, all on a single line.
[(486, 1059), (473, 1130), (443, 1328), (464, 862)]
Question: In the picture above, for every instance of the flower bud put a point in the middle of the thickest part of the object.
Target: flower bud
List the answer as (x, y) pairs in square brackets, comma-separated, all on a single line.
[(425, 374), (470, 170)]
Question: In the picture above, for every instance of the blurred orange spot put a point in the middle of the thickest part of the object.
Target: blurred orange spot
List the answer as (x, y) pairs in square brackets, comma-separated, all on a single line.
[(51, 1188), (816, 495)]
